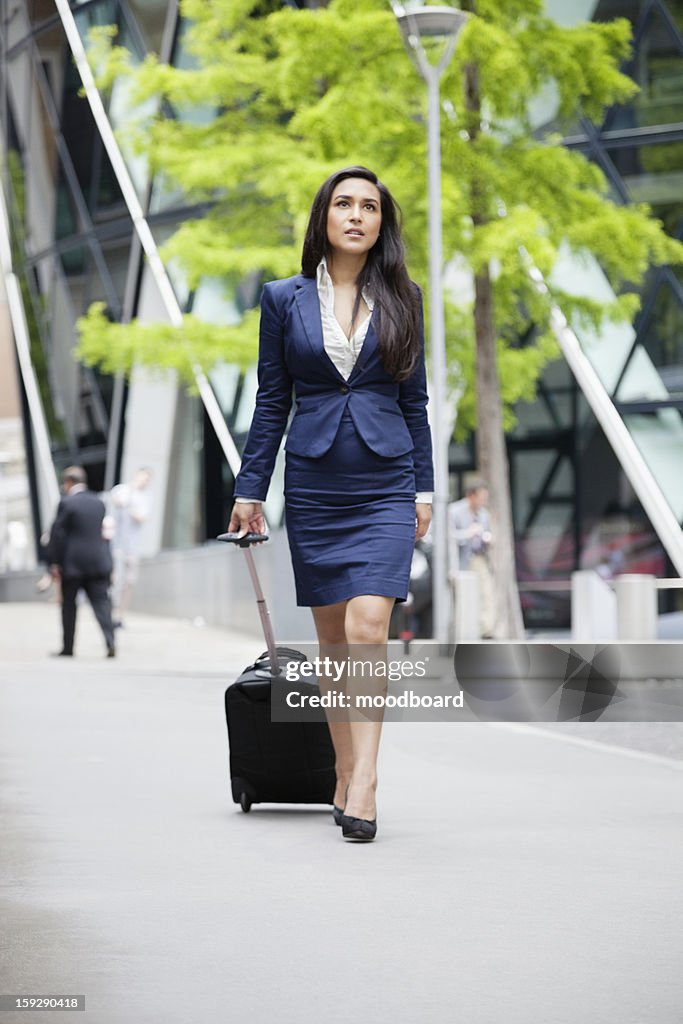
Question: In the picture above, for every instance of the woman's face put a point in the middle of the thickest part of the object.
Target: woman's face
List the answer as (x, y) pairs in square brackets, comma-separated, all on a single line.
[(354, 217)]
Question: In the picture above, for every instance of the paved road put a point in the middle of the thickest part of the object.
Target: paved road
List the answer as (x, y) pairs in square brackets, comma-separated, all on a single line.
[(516, 877)]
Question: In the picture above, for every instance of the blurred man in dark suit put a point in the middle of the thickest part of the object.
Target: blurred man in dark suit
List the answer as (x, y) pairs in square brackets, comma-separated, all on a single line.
[(80, 558)]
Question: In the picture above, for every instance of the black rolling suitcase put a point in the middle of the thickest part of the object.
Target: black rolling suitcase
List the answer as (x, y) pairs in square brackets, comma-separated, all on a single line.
[(273, 762)]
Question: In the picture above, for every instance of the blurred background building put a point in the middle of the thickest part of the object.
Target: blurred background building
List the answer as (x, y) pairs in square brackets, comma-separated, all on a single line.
[(69, 240)]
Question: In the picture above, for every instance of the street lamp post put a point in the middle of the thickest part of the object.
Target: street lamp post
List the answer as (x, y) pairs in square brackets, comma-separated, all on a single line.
[(416, 23)]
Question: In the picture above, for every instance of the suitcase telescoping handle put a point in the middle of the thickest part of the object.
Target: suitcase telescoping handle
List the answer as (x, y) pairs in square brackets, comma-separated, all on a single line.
[(245, 543)]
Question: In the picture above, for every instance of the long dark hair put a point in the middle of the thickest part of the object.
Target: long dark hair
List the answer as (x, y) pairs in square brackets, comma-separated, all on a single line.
[(384, 274)]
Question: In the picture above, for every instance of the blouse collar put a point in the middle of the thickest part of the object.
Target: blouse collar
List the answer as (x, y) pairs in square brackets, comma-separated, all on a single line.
[(326, 287)]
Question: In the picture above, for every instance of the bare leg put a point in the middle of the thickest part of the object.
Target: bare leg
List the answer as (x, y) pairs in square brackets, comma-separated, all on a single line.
[(367, 632), (329, 625)]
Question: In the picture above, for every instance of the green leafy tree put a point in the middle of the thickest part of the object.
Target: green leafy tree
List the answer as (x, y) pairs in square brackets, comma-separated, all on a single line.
[(276, 100)]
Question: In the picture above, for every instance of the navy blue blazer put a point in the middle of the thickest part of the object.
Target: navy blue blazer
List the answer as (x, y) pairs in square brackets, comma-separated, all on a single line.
[(391, 418)]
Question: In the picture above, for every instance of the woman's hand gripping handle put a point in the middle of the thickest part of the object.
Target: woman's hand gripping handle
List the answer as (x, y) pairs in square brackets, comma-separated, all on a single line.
[(247, 517)]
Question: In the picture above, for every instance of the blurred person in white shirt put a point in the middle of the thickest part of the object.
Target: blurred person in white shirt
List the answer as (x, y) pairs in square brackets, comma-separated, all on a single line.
[(129, 508)]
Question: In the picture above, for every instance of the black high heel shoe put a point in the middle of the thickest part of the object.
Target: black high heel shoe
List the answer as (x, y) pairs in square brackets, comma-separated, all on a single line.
[(358, 830), (338, 812)]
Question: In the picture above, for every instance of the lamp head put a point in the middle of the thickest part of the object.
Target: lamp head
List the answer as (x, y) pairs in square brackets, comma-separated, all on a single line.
[(429, 21), (419, 24)]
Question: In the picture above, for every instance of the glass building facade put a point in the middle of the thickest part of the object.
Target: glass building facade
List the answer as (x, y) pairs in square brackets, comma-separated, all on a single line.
[(573, 505), (73, 243)]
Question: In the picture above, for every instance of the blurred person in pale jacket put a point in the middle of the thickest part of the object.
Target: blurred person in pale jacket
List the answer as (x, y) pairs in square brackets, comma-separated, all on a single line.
[(470, 538)]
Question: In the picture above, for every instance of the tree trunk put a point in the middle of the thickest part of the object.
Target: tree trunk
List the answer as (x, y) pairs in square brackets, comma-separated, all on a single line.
[(490, 441), (493, 463)]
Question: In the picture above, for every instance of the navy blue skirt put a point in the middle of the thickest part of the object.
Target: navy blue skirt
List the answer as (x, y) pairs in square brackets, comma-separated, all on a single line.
[(350, 519)]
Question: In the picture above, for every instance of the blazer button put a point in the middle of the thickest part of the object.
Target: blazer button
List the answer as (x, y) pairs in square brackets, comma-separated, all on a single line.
[(343, 389)]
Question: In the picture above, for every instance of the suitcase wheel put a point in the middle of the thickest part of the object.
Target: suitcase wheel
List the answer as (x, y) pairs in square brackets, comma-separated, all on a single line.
[(245, 802)]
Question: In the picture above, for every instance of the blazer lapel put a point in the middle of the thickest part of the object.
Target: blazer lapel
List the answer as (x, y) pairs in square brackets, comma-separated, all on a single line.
[(309, 310), (306, 297), (370, 343)]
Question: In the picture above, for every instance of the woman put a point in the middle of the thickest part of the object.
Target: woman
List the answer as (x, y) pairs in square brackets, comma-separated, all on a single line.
[(347, 335)]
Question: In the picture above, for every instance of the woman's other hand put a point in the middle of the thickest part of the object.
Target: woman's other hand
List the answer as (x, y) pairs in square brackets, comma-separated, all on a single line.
[(247, 517), (423, 514)]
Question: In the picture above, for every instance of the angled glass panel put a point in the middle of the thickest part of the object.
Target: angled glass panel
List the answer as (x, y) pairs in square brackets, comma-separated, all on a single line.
[(657, 67), (642, 381), (546, 120), (225, 382), (544, 514), (67, 220), (66, 296), (165, 194), (652, 174), (52, 49), (183, 520), (78, 128), (98, 282), (94, 289), (531, 468), (116, 255), (662, 337), (106, 199), (104, 12), (89, 159), (671, 216), (92, 419), (659, 436), (568, 14), (182, 58), (607, 10), (176, 273), (150, 18), (609, 349), (675, 9), (245, 407), (553, 408), (621, 540), (74, 259), (561, 389), (124, 114), (534, 418), (543, 109), (212, 302), (40, 11), (616, 535), (547, 553)]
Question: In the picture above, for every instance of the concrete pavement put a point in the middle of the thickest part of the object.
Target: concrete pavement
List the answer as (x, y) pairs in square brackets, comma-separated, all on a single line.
[(516, 877)]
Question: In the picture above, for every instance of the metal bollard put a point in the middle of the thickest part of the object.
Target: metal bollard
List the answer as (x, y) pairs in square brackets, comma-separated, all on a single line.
[(594, 608), (636, 606), (466, 606)]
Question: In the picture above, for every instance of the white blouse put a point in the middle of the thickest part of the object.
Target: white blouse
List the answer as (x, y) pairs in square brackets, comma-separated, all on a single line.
[(343, 351)]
